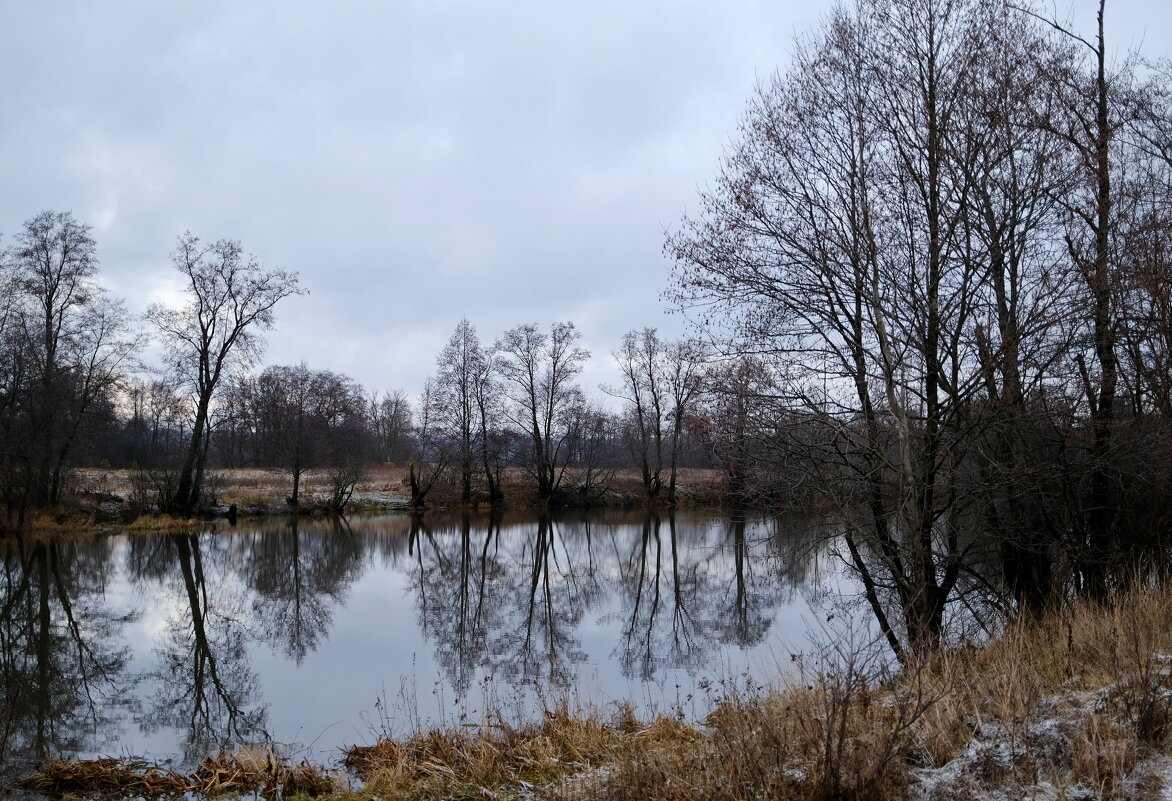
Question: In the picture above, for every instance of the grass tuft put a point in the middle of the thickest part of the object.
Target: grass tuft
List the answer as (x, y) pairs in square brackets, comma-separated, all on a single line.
[(463, 762), (253, 771)]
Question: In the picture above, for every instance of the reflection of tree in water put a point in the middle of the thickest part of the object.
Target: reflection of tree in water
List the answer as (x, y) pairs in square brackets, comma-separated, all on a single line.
[(206, 687), (509, 605), (556, 598), (746, 608), (299, 577), (681, 598), (771, 561), (456, 570), (510, 602), (62, 685), (659, 629)]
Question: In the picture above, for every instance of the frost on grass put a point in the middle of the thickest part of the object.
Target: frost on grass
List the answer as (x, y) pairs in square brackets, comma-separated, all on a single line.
[(1077, 748)]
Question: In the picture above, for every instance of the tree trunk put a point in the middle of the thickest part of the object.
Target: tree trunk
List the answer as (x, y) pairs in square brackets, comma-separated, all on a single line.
[(187, 492)]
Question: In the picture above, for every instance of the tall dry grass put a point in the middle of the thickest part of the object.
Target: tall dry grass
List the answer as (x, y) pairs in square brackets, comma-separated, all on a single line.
[(1077, 705), (261, 773), (499, 760)]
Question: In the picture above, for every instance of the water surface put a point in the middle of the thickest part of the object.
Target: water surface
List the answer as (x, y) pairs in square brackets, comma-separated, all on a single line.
[(319, 634)]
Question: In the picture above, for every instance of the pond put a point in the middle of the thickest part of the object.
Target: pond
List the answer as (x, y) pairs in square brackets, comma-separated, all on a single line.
[(318, 634)]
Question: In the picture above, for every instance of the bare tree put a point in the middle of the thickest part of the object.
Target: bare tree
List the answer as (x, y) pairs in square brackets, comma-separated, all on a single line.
[(157, 430), (460, 367), (684, 363), (313, 418), (838, 246), (432, 453), (661, 381), (539, 368), (738, 410), (166, 415), (66, 344), (489, 415), (591, 439), (12, 378), (230, 297), (390, 419), (639, 359)]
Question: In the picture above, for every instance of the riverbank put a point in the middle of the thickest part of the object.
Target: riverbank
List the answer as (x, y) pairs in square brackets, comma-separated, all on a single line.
[(1075, 706), (100, 498)]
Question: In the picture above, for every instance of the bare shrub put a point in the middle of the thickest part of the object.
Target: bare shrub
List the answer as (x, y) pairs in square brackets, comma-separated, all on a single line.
[(342, 480), (153, 488)]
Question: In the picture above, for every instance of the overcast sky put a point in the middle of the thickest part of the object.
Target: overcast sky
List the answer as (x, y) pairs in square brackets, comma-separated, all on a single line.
[(415, 162)]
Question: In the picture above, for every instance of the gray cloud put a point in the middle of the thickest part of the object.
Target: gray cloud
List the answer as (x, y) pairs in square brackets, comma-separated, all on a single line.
[(415, 161)]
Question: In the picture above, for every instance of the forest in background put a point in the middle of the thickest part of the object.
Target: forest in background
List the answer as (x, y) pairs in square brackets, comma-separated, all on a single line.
[(75, 392)]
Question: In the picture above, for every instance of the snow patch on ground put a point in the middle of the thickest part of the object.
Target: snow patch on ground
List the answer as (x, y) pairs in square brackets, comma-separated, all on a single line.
[(1032, 759)]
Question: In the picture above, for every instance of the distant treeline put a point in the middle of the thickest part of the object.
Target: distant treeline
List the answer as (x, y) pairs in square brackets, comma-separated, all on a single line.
[(480, 413), (72, 392)]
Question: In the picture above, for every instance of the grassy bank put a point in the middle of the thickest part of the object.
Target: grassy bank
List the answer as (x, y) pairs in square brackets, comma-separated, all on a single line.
[(1075, 706), (100, 498)]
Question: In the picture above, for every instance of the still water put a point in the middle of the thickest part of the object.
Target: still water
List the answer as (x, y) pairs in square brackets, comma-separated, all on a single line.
[(315, 634)]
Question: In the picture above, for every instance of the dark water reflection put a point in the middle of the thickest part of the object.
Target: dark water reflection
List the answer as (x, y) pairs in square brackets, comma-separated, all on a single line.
[(315, 635)]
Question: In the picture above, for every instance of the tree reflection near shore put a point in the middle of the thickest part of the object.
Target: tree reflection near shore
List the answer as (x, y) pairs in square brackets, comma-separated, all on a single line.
[(204, 686), (63, 685), (300, 576)]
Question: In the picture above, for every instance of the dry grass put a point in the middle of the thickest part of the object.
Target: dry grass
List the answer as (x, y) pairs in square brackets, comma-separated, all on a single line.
[(1082, 698), (67, 524), (256, 771), (499, 761), (1077, 705), (91, 502)]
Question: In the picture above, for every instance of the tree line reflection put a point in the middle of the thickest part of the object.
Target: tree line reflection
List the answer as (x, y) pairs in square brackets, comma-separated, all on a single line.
[(154, 633), (62, 661), (674, 592)]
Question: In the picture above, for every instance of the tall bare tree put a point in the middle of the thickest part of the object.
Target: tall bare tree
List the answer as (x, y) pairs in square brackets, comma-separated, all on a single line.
[(66, 345), (661, 380), (1022, 320), (839, 246), (432, 454), (460, 366), (489, 416), (229, 298), (390, 420), (1096, 118), (539, 368), (639, 359)]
